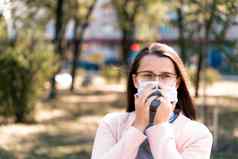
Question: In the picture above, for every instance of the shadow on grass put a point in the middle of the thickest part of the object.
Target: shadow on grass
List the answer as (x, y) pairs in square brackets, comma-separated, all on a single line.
[(76, 106), (60, 146), (227, 144), (71, 144), (227, 141), (4, 154)]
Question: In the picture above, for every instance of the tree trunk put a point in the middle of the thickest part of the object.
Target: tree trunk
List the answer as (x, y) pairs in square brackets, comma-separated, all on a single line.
[(78, 40), (206, 46), (77, 51), (58, 43), (199, 69), (126, 42), (182, 42)]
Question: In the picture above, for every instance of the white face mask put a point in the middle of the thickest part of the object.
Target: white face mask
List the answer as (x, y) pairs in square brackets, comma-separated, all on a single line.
[(169, 92)]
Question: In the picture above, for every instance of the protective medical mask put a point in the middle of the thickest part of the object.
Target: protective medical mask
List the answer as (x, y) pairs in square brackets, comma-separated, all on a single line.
[(169, 92)]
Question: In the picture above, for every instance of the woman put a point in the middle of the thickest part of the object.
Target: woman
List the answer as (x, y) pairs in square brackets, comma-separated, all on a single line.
[(168, 132)]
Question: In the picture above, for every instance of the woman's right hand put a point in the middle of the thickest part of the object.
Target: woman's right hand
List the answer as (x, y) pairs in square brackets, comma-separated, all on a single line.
[(142, 108)]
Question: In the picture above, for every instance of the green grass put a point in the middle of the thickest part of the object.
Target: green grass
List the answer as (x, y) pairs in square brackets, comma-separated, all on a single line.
[(221, 155)]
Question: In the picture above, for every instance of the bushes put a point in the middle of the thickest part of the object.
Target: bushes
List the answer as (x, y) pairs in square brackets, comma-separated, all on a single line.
[(6, 154), (23, 72), (211, 75), (112, 73)]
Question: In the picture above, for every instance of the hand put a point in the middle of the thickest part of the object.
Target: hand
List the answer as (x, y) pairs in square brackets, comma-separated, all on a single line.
[(163, 111), (142, 108)]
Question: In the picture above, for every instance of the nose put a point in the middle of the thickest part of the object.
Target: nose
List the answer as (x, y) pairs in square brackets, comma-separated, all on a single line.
[(157, 78)]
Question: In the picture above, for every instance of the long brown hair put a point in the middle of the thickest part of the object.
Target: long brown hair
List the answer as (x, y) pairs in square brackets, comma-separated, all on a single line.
[(185, 103)]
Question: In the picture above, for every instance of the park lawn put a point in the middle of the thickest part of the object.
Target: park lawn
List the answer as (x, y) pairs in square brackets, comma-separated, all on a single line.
[(65, 128)]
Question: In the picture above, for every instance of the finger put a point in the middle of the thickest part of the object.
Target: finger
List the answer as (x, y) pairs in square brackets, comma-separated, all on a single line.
[(163, 99), (162, 92), (139, 100), (148, 87), (147, 95), (136, 96), (149, 100), (146, 92), (165, 103)]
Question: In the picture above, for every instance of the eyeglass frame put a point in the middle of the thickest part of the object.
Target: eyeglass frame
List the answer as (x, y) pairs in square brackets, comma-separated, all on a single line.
[(157, 75)]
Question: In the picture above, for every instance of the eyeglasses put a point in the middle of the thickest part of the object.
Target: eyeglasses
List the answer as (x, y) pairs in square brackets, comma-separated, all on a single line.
[(165, 77)]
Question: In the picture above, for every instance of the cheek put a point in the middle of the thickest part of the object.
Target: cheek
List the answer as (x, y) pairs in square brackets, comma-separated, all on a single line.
[(178, 81), (135, 81)]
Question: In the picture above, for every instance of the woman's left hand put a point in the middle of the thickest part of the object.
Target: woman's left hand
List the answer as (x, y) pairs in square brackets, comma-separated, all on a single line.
[(163, 111)]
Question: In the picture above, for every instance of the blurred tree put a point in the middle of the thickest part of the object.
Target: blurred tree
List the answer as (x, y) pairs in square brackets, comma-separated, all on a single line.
[(3, 35), (218, 16), (31, 17), (81, 13), (25, 69), (7, 11), (205, 22), (181, 28), (24, 78), (126, 13), (58, 41), (39, 13), (135, 16)]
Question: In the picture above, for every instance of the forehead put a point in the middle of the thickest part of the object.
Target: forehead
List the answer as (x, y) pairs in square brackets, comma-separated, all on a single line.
[(156, 64)]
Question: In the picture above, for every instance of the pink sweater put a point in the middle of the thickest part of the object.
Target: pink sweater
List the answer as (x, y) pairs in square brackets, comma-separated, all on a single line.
[(116, 138)]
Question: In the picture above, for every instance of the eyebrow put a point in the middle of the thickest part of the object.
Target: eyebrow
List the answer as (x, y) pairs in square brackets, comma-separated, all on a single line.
[(148, 71)]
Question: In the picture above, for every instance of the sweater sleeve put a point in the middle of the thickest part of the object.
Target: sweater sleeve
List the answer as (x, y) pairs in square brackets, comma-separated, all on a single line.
[(196, 137), (107, 147)]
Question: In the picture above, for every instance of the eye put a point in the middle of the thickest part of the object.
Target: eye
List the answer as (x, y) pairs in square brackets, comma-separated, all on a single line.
[(165, 76), (148, 75)]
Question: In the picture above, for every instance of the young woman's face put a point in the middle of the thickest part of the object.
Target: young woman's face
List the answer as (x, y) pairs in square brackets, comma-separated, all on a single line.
[(152, 65)]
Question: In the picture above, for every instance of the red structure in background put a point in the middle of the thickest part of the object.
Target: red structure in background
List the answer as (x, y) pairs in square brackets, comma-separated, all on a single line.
[(135, 47)]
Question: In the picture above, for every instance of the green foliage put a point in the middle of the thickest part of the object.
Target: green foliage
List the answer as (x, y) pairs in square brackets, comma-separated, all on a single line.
[(210, 75), (221, 155), (23, 70), (72, 9), (3, 32), (112, 73), (138, 16), (205, 20), (6, 154)]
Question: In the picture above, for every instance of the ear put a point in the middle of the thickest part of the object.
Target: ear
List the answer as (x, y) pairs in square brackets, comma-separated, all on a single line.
[(178, 81), (135, 81)]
